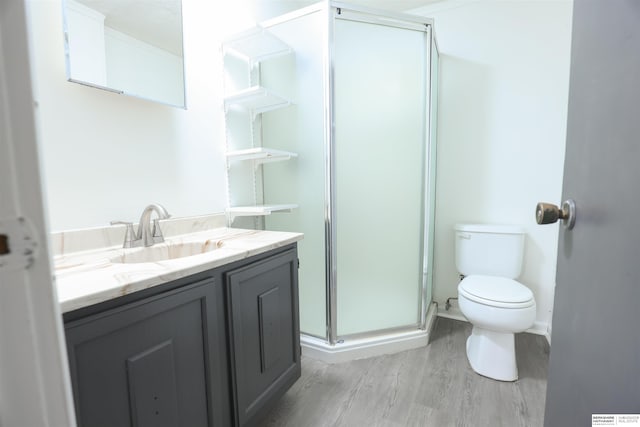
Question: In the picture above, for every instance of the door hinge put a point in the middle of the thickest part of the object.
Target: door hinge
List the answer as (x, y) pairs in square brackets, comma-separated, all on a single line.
[(18, 245)]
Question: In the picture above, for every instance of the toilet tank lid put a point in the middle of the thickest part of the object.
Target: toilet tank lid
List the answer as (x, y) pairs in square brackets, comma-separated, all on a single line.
[(489, 228)]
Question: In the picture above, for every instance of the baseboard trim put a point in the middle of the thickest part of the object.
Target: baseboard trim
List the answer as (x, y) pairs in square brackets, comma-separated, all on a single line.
[(538, 328), (452, 313), (319, 349)]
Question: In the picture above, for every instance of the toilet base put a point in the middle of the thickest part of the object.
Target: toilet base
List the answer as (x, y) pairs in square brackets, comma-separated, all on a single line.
[(492, 354)]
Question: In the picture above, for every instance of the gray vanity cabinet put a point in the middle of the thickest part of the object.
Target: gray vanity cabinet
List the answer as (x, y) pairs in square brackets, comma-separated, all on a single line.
[(265, 333), (151, 363), (215, 349)]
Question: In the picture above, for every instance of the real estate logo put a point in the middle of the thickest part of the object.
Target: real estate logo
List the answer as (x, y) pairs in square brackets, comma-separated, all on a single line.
[(626, 420)]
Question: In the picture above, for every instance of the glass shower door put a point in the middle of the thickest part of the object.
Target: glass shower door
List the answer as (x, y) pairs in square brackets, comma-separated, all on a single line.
[(380, 77)]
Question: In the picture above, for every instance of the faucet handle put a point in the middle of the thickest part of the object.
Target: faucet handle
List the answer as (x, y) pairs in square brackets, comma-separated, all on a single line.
[(156, 233), (129, 234)]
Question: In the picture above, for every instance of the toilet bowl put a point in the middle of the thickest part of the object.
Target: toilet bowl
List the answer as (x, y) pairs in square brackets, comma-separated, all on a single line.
[(496, 316), (490, 258)]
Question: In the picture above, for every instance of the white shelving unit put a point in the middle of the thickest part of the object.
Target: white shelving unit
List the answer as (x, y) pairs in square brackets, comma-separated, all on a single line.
[(256, 99), (256, 45), (253, 47), (260, 155), (260, 210)]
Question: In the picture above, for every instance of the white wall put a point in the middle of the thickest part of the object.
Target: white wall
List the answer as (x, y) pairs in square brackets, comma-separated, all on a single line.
[(502, 125), (107, 156)]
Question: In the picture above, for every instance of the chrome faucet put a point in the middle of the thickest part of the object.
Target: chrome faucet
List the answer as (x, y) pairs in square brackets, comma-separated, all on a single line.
[(146, 236)]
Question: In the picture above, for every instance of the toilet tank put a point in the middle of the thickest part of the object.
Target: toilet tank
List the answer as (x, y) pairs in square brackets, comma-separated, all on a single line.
[(489, 250)]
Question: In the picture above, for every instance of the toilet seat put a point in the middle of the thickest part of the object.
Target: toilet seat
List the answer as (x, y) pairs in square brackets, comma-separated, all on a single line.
[(496, 292)]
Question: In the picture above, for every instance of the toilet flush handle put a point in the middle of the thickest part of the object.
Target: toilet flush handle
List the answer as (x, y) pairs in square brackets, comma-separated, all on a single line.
[(548, 213)]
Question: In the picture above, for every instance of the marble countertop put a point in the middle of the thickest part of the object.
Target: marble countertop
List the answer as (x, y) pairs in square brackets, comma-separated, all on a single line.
[(89, 277)]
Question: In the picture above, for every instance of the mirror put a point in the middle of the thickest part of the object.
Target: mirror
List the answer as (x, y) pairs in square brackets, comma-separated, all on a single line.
[(130, 47)]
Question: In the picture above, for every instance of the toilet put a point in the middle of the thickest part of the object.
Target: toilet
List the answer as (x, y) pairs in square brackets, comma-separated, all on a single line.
[(490, 259)]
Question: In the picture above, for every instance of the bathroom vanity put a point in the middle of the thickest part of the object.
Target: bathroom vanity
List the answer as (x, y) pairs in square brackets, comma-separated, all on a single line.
[(211, 339)]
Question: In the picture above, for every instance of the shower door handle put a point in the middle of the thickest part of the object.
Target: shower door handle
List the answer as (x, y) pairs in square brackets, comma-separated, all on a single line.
[(548, 213)]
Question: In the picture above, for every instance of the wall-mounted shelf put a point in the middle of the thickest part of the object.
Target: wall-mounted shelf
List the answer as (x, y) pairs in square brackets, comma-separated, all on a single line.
[(246, 181), (260, 155), (256, 45), (256, 99), (260, 210)]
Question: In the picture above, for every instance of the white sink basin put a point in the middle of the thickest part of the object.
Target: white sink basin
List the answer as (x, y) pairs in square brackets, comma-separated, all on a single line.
[(164, 252)]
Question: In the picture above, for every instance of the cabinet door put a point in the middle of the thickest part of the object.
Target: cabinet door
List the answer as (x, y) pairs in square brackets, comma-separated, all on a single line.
[(265, 333), (151, 363)]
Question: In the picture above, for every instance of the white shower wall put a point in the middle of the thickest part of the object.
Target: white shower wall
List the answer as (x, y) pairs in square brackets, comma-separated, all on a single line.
[(300, 129)]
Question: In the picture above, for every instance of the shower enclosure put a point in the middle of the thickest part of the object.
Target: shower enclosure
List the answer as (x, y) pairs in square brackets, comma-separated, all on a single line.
[(359, 135)]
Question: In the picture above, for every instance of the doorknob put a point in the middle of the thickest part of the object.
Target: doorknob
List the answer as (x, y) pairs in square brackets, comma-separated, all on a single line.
[(4, 244), (548, 213)]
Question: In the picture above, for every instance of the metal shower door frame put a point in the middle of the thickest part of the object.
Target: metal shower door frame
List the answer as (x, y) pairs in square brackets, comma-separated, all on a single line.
[(331, 11), (339, 10)]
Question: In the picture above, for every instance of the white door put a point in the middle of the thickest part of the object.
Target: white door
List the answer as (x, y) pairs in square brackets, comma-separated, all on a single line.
[(594, 364), (34, 382)]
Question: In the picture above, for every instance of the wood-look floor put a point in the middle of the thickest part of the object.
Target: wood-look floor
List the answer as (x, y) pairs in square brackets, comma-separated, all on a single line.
[(430, 386)]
